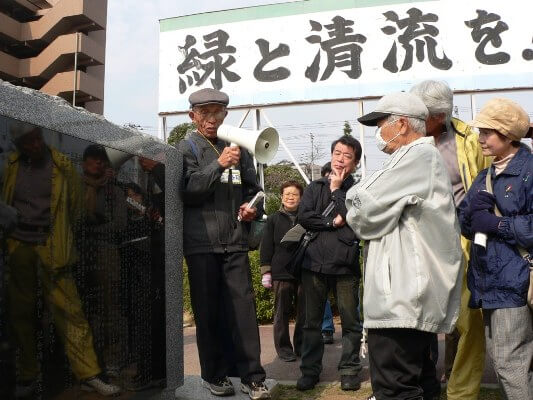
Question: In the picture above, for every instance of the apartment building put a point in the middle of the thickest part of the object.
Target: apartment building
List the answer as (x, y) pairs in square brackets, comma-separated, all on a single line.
[(57, 47)]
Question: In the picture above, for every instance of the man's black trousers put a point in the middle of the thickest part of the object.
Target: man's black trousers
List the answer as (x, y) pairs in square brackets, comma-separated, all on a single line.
[(222, 299), (400, 364)]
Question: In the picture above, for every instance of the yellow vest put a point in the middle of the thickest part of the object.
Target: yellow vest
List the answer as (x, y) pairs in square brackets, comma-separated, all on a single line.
[(469, 156), (471, 162), (65, 208)]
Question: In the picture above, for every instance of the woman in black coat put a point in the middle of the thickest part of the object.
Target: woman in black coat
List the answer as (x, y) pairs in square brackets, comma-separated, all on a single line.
[(274, 258)]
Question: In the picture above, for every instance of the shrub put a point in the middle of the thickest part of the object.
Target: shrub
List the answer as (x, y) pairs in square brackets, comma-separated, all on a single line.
[(186, 291), (272, 203), (264, 299)]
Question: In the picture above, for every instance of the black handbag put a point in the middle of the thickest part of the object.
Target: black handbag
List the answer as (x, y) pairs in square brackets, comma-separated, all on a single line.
[(294, 267), (257, 227)]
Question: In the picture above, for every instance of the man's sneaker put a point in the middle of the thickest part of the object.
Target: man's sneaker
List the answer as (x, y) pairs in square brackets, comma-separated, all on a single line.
[(25, 388), (95, 384), (222, 387), (256, 390), (372, 397), (306, 382), (350, 382), (327, 337)]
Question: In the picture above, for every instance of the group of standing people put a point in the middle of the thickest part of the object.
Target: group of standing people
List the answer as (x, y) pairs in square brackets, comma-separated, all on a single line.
[(418, 215)]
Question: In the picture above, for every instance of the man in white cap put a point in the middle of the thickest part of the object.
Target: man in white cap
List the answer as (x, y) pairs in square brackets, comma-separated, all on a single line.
[(464, 359), (215, 244), (406, 212)]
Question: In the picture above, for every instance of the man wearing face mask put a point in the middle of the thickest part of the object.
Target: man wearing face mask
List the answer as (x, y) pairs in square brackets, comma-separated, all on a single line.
[(406, 212), (464, 358), (331, 261)]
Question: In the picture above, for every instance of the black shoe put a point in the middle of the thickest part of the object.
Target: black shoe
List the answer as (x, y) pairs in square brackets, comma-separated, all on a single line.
[(306, 382), (350, 382), (287, 357), (327, 337)]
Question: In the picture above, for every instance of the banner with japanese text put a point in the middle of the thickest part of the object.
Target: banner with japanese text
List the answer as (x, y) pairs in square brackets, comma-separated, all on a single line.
[(320, 50)]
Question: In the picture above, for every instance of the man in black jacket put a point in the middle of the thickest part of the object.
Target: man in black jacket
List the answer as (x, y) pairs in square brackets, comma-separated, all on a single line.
[(331, 261), (219, 181)]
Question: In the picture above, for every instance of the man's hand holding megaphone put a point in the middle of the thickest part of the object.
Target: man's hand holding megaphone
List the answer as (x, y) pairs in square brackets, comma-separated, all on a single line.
[(229, 157)]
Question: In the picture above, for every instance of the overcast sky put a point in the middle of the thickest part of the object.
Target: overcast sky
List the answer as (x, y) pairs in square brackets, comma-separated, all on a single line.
[(132, 51)]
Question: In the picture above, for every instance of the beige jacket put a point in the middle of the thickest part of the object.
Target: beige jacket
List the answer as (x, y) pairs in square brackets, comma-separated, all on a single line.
[(406, 212)]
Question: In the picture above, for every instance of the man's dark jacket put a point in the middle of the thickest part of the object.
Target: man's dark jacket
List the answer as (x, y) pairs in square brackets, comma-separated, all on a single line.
[(209, 224), (272, 253), (333, 250)]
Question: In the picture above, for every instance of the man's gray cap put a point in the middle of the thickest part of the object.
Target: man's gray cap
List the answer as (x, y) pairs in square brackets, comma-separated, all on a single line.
[(397, 103), (208, 96)]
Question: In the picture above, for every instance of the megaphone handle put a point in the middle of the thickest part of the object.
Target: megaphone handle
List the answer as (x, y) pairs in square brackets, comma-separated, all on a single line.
[(232, 144), (231, 198)]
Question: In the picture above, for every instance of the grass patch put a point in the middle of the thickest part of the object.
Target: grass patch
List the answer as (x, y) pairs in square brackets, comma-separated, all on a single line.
[(334, 392)]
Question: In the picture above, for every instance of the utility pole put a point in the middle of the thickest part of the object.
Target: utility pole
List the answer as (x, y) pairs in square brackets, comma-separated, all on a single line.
[(76, 69), (312, 155)]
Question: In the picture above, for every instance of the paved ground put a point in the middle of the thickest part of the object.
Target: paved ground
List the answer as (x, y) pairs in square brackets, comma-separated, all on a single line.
[(283, 372), (290, 372)]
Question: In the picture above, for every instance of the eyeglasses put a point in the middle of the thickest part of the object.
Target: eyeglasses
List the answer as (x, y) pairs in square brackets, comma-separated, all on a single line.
[(296, 194), (218, 115)]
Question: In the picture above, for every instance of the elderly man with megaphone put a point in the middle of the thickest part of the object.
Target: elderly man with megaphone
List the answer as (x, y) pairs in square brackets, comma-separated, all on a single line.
[(219, 181)]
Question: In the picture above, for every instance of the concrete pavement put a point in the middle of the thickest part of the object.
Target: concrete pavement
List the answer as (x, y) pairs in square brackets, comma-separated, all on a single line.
[(289, 371)]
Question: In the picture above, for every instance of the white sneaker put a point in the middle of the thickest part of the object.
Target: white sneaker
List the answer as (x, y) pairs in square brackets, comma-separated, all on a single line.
[(98, 385), (371, 398), (222, 387), (256, 390)]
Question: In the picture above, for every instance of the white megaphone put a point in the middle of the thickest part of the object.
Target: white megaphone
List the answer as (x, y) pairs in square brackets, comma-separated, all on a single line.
[(263, 144)]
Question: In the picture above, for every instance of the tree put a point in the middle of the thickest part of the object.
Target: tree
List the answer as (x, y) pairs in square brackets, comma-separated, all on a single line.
[(179, 132), (275, 176), (310, 159), (347, 129)]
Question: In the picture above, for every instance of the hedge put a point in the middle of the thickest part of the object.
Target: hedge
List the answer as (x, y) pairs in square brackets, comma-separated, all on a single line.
[(264, 299)]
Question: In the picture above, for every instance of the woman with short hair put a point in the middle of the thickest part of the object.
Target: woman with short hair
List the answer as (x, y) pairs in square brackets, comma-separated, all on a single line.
[(274, 259), (499, 272)]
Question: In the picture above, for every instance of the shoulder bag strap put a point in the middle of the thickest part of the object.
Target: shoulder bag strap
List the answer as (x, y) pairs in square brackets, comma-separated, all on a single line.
[(488, 183)]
